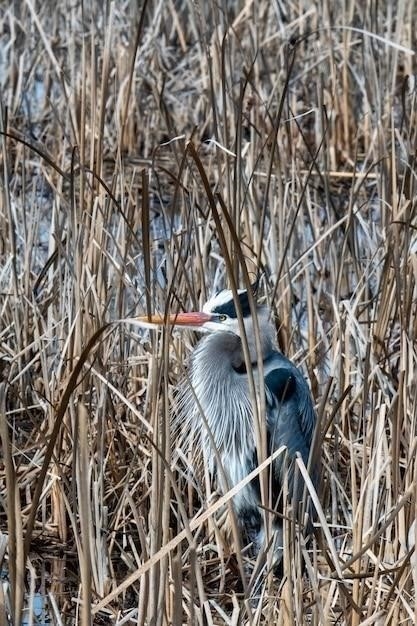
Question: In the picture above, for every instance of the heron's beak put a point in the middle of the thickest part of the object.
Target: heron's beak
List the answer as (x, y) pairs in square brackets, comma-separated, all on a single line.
[(191, 319)]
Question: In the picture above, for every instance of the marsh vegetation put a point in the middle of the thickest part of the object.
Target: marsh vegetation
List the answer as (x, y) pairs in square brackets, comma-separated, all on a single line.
[(149, 152)]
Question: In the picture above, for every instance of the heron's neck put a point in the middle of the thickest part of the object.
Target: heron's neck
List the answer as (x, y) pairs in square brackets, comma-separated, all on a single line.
[(216, 355), (222, 395)]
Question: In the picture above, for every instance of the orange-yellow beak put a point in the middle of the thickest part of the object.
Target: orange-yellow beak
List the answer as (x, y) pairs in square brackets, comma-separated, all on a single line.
[(193, 318)]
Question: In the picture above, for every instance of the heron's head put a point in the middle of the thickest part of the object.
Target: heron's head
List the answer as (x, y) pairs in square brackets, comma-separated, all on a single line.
[(220, 315)]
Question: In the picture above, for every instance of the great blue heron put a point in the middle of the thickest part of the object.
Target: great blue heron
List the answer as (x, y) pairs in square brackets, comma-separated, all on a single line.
[(216, 406)]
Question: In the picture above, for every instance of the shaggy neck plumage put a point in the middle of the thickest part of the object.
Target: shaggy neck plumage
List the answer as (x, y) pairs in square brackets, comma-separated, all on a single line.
[(219, 394), (223, 396)]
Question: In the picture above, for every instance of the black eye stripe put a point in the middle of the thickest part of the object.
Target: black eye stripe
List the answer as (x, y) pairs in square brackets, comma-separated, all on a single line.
[(226, 309), (229, 309)]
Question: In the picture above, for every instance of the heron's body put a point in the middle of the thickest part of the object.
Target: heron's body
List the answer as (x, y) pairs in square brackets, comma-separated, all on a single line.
[(216, 413), (216, 408)]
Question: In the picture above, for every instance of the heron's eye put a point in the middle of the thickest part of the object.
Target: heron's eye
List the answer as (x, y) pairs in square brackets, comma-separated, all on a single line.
[(222, 317)]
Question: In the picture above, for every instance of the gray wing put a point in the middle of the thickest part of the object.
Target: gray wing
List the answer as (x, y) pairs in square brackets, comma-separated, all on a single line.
[(290, 415)]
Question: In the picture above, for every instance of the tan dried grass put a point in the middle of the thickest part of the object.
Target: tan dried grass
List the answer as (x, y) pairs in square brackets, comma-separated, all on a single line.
[(149, 156)]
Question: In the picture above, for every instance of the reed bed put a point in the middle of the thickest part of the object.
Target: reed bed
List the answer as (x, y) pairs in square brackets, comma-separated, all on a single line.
[(149, 152)]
